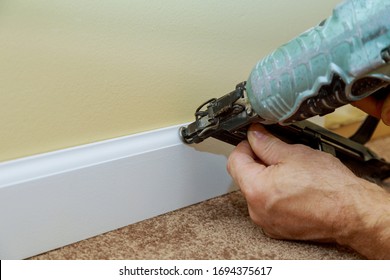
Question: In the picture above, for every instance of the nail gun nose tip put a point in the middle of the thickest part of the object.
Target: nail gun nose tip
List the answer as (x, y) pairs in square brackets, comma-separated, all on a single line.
[(183, 135)]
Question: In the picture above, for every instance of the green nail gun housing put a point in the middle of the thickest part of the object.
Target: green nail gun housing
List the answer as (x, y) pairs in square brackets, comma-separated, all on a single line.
[(343, 59)]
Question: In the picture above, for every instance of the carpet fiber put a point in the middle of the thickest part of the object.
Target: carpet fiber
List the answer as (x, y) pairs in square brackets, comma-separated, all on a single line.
[(219, 228)]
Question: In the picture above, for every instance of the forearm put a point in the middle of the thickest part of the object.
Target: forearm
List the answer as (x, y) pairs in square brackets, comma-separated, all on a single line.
[(367, 228)]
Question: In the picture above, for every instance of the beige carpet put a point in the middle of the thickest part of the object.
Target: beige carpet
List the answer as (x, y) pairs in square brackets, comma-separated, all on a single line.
[(216, 229)]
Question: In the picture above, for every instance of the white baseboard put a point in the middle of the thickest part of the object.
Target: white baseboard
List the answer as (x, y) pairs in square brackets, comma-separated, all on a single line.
[(58, 198)]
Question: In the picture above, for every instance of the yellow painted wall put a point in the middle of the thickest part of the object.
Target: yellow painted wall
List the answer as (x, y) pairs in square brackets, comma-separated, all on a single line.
[(79, 71)]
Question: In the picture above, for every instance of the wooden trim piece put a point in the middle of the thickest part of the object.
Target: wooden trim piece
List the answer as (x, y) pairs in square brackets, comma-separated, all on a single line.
[(54, 199)]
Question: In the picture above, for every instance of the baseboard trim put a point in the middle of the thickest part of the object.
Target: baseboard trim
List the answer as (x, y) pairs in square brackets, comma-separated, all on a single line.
[(58, 198)]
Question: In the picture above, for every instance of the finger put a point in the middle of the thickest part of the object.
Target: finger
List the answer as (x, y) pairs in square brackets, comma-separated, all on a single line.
[(243, 167), (267, 147), (385, 115), (242, 160)]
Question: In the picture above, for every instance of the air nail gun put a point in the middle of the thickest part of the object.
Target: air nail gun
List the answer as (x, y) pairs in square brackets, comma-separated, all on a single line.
[(344, 59)]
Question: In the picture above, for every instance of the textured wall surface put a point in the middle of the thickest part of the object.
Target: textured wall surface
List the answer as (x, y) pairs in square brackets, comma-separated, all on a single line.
[(75, 72)]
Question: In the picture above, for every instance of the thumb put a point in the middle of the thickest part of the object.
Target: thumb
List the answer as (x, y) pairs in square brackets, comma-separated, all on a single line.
[(269, 149)]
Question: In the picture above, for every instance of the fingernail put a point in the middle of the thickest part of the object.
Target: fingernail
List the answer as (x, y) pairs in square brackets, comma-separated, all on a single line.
[(258, 134)]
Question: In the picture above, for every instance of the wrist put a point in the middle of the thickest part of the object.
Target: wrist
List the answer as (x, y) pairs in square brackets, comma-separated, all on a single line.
[(365, 225)]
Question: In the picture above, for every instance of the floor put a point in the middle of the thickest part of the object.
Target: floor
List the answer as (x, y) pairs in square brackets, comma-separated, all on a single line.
[(216, 229)]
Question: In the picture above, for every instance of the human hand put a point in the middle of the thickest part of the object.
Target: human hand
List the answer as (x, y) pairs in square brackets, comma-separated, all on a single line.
[(295, 192), (375, 107)]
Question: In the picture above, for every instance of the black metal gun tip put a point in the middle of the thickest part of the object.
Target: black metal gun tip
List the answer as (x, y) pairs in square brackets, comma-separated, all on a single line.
[(183, 135)]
